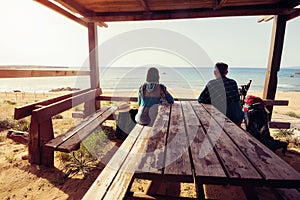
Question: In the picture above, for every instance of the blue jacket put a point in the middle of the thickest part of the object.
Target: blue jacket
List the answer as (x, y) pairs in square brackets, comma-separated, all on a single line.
[(149, 97)]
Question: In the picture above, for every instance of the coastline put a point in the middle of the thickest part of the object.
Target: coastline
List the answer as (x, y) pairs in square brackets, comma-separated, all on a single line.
[(22, 98)]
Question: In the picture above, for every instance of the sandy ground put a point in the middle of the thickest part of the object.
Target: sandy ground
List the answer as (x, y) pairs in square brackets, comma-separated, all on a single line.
[(19, 180)]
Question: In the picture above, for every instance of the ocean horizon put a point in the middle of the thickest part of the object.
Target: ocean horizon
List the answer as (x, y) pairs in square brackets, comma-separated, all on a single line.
[(176, 79)]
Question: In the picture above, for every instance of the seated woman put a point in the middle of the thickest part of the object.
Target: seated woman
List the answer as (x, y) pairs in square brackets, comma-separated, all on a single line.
[(150, 95)]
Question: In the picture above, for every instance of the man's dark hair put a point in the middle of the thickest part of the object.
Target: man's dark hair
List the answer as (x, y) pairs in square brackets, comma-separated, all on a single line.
[(222, 67)]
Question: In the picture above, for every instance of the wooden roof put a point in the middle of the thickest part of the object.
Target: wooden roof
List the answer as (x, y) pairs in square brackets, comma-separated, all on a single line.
[(84, 11)]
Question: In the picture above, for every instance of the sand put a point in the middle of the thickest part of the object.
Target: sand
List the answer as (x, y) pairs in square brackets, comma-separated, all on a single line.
[(19, 180)]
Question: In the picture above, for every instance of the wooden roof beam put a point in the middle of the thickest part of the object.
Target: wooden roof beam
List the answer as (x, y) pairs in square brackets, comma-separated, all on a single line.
[(75, 7), (294, 14), (62, 11), (145, 5), (220, 3), (289, 4), (187, 13)]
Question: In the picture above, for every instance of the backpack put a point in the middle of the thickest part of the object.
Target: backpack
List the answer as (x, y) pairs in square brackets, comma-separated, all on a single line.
[(257, 124)]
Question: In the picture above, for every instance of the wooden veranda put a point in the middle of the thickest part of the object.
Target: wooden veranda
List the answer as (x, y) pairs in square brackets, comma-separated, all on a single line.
[(94, 13)]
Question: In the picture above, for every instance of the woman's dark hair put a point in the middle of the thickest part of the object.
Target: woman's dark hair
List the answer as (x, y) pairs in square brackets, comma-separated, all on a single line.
[(222, 68)]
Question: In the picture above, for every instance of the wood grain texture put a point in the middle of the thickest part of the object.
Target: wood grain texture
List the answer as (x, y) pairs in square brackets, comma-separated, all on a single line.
[(71, 140), (48, 111), (275, 171), (20, 73), (122, 181), (238, 169), (26, 110), (153, 161), (177, 161), (107, 176), (99, 11), (207, 166)]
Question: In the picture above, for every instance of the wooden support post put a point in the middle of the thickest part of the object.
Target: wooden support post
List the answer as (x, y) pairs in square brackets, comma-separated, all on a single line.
[(94, 64), (93, 55), (46, 134), (40, 134), (274, 58), (33, 144)]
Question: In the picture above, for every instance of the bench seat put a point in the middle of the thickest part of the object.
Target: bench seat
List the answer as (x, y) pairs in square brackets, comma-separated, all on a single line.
[(288, 194), (116, 178), (71, 140)]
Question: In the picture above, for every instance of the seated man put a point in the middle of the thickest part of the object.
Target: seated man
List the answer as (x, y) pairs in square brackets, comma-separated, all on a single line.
[(222, 92)]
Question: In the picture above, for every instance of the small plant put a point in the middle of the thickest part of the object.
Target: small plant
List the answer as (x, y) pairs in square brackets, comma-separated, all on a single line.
[(79, 163), (57, 117), (10, 158), (22, 125), (10, 102), (6, 124), (2, 138), (284, 132), (293, 114)]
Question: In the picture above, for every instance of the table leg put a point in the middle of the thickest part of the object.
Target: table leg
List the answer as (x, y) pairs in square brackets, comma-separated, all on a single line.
[(200, 191), (250, 192)]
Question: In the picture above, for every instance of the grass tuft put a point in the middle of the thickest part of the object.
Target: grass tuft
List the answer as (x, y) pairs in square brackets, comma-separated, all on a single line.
[(292, 114)]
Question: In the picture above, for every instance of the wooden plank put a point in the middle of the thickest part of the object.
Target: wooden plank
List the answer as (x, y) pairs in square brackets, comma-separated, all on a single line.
[(237, 167), (62, 11), (53, 109), (280, 125), (106, 177), (274, 58), (21, 73), (133, 99), (121, 183), (114, 98), (93, 55), (177, 161), (26, 110), (208, 169), (186, 14), (46, 134), (276, 172), (72, 141), (288, 194), (34, 151), (65, 136), (152, 162), (294, 14), (271, 102)]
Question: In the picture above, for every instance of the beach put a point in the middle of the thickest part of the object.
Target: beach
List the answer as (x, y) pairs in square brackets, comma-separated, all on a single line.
[(20, 180)]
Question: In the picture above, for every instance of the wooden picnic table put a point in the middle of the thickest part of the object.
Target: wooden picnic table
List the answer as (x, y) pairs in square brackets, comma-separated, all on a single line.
[(192, 142)]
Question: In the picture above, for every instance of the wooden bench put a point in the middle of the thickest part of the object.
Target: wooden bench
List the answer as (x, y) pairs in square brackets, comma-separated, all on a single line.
[(275, 124), (287, 194), (42, 144), (70, 141), (116, 178)]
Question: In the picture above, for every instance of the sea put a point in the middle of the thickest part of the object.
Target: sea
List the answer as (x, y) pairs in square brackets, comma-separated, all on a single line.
[(175, 78)]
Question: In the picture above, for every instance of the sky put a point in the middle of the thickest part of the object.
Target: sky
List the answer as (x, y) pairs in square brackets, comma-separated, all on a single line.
[(32, 34)]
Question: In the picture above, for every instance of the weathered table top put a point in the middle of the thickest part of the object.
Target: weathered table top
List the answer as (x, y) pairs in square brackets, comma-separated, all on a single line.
[(192, 142)]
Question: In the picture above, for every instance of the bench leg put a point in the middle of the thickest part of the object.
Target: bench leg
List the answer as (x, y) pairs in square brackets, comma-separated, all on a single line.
[(40, 134), (200, 191), (46, 134), (250, 192), (34, 153)]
